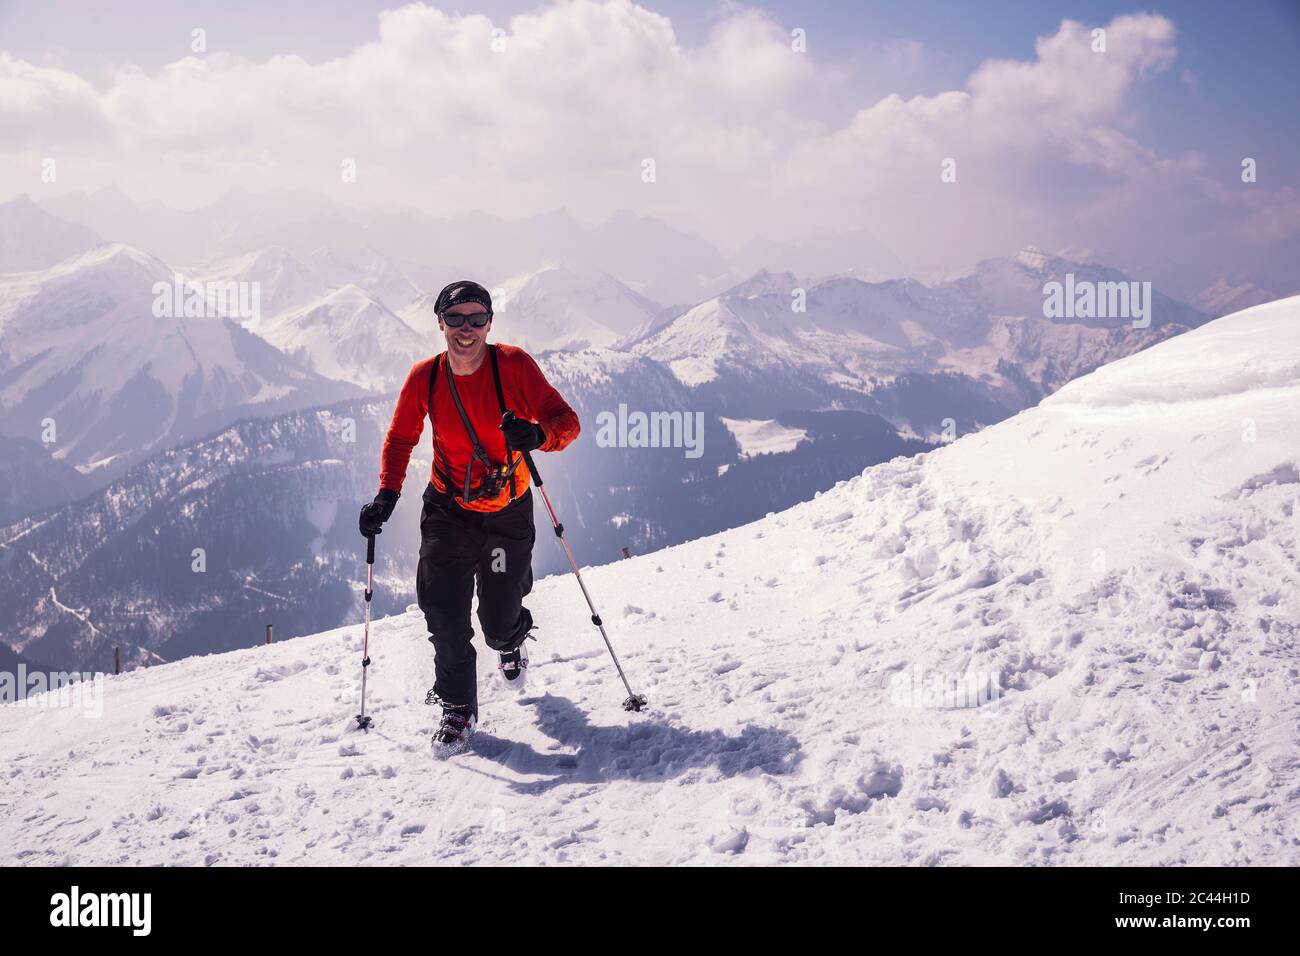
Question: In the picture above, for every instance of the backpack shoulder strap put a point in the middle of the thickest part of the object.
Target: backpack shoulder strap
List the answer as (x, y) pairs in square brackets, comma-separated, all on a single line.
[(511, 463), (496, 378), (433, 378)]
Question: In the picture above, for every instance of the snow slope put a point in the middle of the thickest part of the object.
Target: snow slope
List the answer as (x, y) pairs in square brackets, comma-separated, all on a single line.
[(1115, 569), (763, 436)]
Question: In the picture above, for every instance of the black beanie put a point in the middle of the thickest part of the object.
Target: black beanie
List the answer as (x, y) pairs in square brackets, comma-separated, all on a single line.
[(459, 292)]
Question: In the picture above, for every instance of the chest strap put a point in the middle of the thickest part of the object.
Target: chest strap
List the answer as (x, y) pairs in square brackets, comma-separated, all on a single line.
[(479, 452)]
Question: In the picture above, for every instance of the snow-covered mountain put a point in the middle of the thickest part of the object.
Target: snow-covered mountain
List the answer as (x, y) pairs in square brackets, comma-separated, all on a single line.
[(420, 315), (366, 269), (899, 347), (1068, 639), (178, 235), (555, 307), (1222, 297), (284, 282), (349, 335), (82, 351), (232, 224), (31, 238), (1013, 286), (394, 256), (683, 266), (749, 354), (857, 253)]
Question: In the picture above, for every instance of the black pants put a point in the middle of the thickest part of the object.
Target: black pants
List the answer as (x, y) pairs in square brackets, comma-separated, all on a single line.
[(456, 547)]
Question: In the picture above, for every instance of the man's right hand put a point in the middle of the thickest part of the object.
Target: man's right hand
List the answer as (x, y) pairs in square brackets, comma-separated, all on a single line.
[(374, 514)]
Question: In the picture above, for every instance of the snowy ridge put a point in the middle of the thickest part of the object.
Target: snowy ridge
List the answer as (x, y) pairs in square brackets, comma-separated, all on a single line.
[(1222, 297), (366, 268), (1113, 572), (554, 307), (986, 326), (351, 336), (283, 281), (31, 238)]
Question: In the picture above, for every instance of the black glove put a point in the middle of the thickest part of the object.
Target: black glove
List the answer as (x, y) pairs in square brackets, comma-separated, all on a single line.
[(523, 435), (374, 514)]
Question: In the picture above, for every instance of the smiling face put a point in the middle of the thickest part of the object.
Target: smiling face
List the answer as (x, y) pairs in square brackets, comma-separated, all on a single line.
[(466, 345)]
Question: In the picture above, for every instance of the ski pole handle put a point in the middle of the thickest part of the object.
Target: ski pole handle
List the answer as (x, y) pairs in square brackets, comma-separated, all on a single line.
[(370, 549), (510, 416)]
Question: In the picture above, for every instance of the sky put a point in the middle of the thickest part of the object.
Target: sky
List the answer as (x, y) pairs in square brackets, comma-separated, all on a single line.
[(1133, 152)]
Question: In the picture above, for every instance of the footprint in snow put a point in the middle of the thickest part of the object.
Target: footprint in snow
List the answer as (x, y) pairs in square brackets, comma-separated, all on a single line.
[(733, 843)]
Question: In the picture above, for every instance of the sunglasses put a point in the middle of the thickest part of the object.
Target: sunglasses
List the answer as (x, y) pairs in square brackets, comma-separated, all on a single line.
[(478, 319)]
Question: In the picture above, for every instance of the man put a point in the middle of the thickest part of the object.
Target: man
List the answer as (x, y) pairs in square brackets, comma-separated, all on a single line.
[(477, 519)]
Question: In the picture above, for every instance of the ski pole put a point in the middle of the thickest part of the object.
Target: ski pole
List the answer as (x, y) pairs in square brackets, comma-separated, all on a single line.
[(363, 721), (634, 701)]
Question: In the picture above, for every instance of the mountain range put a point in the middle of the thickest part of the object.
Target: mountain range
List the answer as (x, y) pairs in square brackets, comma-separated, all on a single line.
[(86, 352), (971, 349), (217, 427)]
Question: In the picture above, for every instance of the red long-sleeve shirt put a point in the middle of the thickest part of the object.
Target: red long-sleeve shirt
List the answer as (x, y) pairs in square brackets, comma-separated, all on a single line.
[(527, 393)]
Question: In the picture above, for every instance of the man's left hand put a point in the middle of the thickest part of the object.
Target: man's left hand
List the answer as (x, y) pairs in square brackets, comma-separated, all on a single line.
[(523, 435)]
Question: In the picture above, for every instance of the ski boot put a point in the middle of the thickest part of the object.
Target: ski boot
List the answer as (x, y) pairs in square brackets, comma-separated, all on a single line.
[(454, 731), (514, 667)]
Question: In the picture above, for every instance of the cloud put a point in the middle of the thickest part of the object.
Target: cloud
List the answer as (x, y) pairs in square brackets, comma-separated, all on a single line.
[(1071, 82), (560, 106), (1067, 105), (30, 95)]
